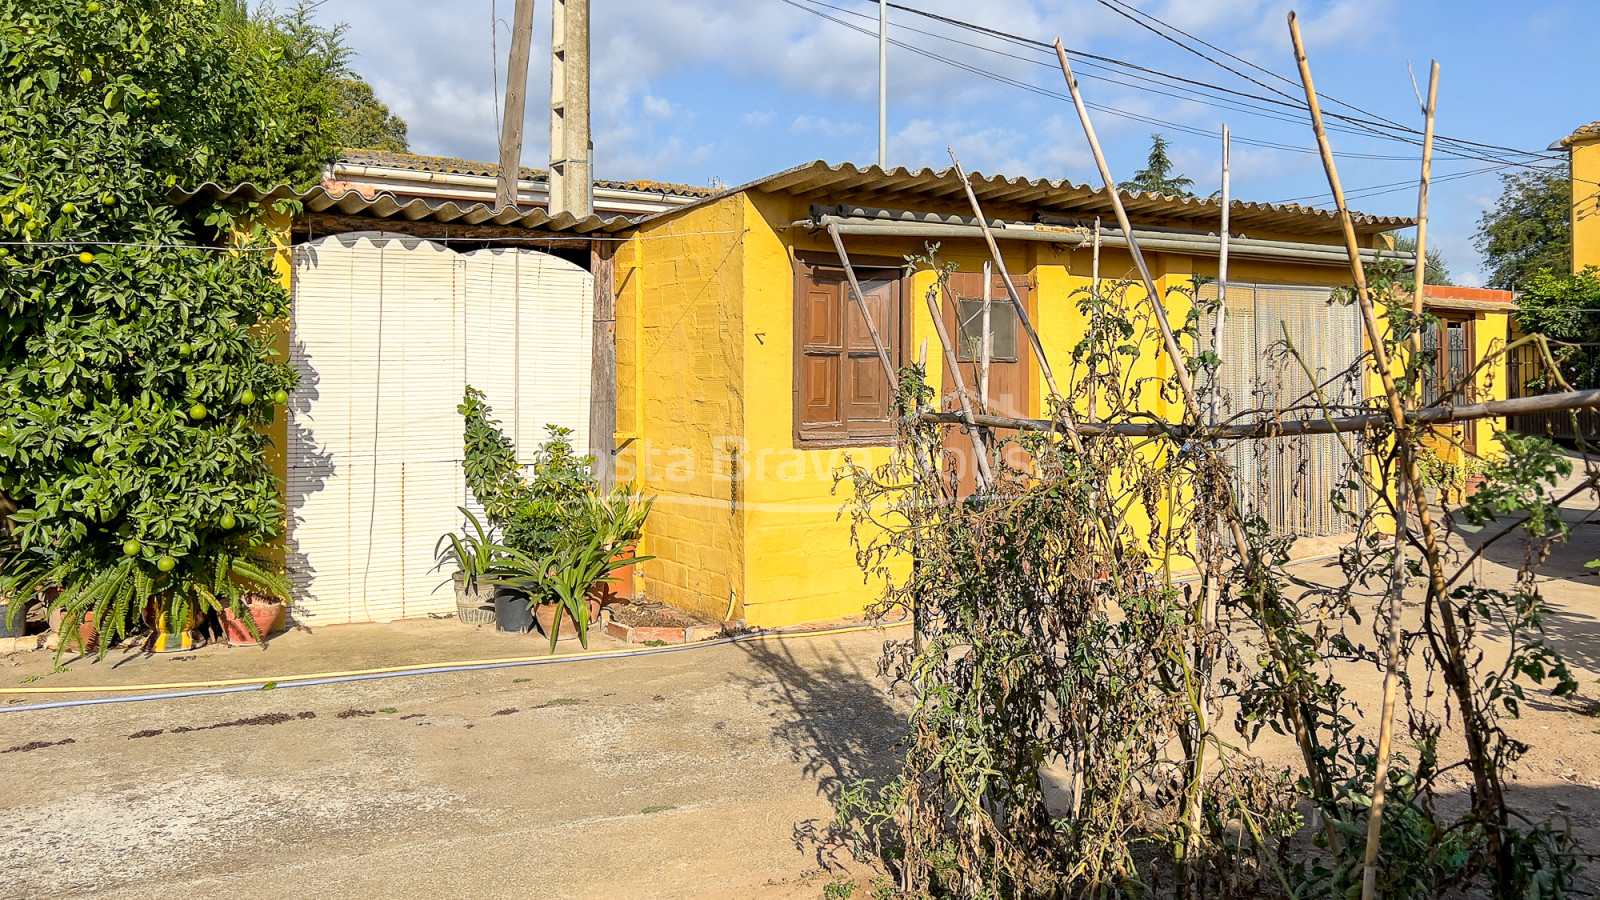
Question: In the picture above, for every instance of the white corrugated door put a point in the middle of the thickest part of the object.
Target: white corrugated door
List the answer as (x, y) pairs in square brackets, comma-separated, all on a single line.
[(529, 321), (387, 331), (1289, 482), (374, 434)]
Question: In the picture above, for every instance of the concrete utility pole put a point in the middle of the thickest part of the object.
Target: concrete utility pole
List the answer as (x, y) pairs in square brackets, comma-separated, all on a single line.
[(505, 193), (883, 84), (571, 149)]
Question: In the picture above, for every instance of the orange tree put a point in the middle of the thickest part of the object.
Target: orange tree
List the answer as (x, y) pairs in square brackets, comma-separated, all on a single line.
[(134, 382)]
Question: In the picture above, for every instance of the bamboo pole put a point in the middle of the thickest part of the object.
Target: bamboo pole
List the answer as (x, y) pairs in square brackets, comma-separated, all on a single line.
[(1489, 796), (1433, 415), (1022, 310), (985, 340), (866, 314), (1174, 352), (1222, 272), (1300, 710), (1094, 291), (984, 476), (1397, 577)]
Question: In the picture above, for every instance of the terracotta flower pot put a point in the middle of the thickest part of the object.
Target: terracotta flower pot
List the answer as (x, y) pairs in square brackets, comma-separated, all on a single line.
[(87, 640), (620, 588), (265, 613), (545, 613)]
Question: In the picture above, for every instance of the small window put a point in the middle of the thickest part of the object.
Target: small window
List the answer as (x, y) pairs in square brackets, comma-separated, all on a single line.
[(841, 390), (1002, 325)]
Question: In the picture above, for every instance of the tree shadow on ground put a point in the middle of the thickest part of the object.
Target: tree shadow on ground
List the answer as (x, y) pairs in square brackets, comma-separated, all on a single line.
[(1571, 589), (837, 719), (1566, 560)]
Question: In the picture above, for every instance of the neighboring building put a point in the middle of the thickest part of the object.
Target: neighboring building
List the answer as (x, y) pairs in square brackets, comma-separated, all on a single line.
[(442, 179), (1583, 148), (743, 373), (1474, 324)]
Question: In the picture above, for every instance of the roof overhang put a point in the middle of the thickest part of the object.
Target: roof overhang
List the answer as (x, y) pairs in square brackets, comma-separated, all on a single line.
[(386, 206), (1020, 198)]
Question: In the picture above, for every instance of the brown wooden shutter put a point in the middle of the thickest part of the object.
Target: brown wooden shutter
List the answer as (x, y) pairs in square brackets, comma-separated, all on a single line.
[(866, 384), (821, 332), (841, 391)]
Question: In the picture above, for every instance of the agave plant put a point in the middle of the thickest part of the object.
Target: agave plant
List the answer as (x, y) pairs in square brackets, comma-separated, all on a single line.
[(564, 578), (474, 553)]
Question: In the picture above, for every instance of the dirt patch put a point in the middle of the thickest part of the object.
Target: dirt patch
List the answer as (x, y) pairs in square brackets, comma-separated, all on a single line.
[(651, 615), (265, 719), (37, 745)]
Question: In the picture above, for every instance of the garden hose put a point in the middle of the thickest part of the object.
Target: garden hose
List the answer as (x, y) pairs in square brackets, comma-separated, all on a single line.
[(239, 685)]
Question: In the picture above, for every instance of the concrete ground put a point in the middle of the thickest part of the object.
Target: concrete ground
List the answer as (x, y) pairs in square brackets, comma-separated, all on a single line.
[(691, 774), (705, 773)]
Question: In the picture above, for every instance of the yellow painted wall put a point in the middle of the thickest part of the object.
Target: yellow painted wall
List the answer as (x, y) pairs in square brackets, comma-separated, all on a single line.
[(1585, 202), (705, 346), (680, 399), (277, 332)]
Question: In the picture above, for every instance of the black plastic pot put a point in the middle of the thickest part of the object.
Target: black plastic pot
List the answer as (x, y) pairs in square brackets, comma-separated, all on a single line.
[(511, 611), (6, 631)]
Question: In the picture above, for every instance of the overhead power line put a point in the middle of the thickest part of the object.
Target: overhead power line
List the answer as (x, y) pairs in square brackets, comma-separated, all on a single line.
[(1282, 109)]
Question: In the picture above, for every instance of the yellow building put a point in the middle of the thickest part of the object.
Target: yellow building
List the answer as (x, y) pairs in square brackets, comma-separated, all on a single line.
[(745, 374), (1583, 148)]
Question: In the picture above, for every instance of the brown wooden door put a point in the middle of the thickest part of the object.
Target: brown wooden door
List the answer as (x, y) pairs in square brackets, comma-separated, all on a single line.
[(1008, 365), (1452, 358)]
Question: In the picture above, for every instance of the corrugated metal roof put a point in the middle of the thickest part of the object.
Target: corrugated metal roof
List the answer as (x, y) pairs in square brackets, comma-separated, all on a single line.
[(999, 194), (387, 206), (453, 166)]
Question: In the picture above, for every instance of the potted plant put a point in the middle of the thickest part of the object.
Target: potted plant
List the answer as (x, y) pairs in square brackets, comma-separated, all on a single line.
[(247, 621), (558, 585), (473, 553), (619, 520)]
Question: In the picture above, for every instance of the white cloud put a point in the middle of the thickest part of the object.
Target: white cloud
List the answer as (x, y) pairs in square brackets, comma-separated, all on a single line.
[(656, 107)]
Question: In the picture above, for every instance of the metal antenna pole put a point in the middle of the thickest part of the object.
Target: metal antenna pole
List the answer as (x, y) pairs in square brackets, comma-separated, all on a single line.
[(883, 84)]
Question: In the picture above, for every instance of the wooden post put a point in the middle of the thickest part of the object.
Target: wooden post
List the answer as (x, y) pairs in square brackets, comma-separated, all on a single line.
[(861, 303), (603, 365), (1397, 575), (505, 193)]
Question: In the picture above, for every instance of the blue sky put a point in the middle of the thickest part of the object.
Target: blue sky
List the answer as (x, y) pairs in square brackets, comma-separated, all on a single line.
[(703, 91)]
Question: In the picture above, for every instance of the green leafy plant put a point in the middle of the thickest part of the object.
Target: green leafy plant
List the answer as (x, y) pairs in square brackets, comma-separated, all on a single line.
[(136, 375), (473, 553), (618, 519), (564, 578)]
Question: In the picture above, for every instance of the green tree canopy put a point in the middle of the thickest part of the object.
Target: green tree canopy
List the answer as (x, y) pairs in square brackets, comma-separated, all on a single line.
[(1529, 229), (365, 121), (1437, 272), (1157, 175), (135, 378)]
